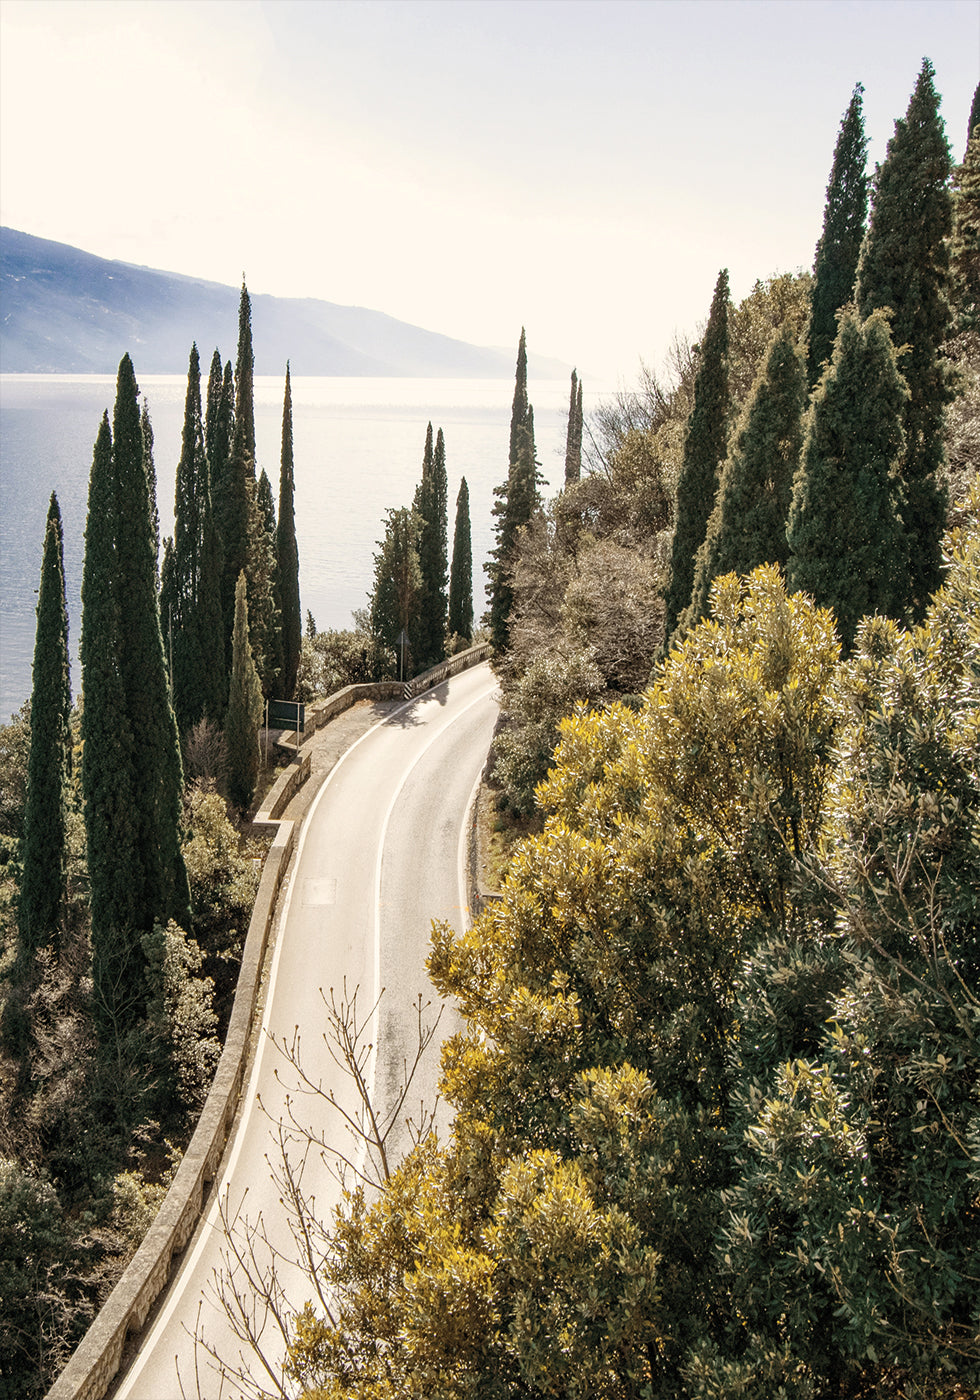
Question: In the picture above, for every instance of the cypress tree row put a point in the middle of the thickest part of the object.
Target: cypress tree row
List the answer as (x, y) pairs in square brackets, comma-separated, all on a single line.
[(190, 600), (461, 574), (431, 506), (287, 555), (516, 501), (704, 452), (845, 213), (573, 436), (844, 531), (244, 708), (42, 883), (748, 523), (905, 266)]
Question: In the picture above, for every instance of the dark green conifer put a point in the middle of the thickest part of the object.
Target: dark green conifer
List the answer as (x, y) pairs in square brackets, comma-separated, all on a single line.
[(973, 121), (704, 452), (905, 266), (844, 530), (431, 506), (131, 770), (236, 483), (287, 556), (748, 523), (265, 628), (141, 664), (461, 575), (964, 248), (42, 884), (109, 765), (573, 435), (845, 213), (394, 600), (244, 715), (516, 501), (190, 599)]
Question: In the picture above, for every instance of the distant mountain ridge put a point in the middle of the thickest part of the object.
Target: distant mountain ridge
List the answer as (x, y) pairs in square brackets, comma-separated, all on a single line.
[(64, 311)]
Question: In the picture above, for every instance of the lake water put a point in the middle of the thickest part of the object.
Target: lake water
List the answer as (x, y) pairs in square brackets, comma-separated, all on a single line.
[(357, 447)]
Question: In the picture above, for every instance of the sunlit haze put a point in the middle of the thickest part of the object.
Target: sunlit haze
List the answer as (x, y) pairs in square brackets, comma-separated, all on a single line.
[(471, 166)]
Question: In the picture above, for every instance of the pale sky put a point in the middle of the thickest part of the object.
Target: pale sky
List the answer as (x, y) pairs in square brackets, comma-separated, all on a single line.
[(583, 169)]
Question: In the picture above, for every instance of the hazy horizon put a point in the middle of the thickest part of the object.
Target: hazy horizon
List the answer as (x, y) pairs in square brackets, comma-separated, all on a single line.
[(580, 168)]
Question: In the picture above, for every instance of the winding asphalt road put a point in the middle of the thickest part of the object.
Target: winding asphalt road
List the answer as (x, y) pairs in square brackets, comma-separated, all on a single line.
[(381, 854)]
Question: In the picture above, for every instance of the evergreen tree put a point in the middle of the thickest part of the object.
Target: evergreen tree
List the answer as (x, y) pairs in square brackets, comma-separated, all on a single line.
[(149, 470), (42, 883), (844, 530), (973, 120), (461, 576), (190, 598), (431, 507), (517, 499), (212, 406), (265, 634), (287, 555), (219, 429), (905, 266), (845, 213), (237, 484), (397, 583), (244, 715), (748, 523), (573, 436), (704, 452), (109, 769), (964, 248), (131, 769)]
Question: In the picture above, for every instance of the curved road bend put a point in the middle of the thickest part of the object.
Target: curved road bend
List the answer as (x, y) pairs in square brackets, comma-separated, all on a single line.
[(380, 855)]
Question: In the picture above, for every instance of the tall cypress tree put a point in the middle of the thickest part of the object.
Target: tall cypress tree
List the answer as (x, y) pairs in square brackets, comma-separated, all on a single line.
[(431, 506), (42, 884), (244, 708), (844, 530), (109, 768), (845, 214), (461, 574), (516, 501), (237, 480), (131, 770), (704, 452), (905, 266), (573, 435), (191, 595), (164, 892), (265, 628), (287, 555), (748, 523), (964, 248)]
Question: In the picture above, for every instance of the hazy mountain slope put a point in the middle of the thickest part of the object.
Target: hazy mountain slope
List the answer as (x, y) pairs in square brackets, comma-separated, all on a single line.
[(64, 311)]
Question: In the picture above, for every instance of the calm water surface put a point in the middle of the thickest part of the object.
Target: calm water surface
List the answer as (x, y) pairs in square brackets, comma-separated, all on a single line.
[(357, 447)]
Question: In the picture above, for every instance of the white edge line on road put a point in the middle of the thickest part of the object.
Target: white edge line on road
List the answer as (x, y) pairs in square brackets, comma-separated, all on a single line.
[(209, 1221)]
